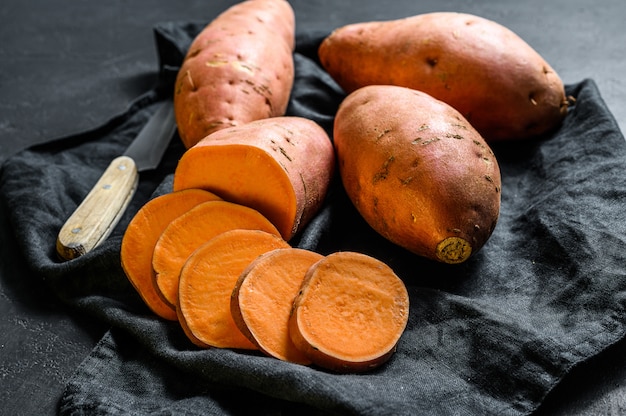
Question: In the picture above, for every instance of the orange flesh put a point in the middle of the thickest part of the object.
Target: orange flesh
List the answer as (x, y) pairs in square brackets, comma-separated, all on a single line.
[(351, 312), (264, 297), (244, 174), (141, 236), (192, 229), (207, 281)]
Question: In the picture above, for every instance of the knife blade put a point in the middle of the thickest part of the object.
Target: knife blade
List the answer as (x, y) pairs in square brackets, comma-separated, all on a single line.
[(98, 214)]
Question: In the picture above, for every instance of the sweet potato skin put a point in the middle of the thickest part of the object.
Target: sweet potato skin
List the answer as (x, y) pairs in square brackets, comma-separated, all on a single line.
[(493, 77), (296, 149), (417, 171), (238, 69)]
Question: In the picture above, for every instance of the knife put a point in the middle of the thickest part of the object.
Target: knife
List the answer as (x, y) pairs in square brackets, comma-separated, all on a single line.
[(100, 211)]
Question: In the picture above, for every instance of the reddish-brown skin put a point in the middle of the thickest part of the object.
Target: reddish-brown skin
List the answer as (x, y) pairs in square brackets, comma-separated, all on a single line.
[(238, 69), (488, 73), (417, 171)]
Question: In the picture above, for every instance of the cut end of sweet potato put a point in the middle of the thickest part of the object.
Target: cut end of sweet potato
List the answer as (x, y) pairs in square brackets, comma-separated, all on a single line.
[(263, 297), (207, 281), (281, 166), (243, 174), (453, 250), (350, 313)]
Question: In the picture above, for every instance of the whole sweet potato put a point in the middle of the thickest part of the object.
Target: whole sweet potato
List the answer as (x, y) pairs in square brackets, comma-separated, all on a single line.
[(496, 80), (417, 171), (238, 69)]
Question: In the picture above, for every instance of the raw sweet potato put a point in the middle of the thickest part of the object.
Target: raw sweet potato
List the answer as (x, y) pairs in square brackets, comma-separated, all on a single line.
[(280, 166), (487, 72), (141, 236), (350, 313), (189, 231), (238, 69), (263, 297), (417, 171), (207, 281)]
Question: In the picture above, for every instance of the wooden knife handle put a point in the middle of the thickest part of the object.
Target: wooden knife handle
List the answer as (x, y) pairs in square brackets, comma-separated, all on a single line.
[(94, 219)]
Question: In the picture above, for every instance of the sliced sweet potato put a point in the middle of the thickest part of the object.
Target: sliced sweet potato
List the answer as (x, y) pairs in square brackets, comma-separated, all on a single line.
[(207, 281), (263, 297), (350, 313), (141, 236), (281, 167), (186, 233)]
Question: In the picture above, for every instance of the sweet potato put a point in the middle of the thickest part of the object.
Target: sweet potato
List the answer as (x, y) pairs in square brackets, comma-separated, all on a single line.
[(185, 234), (280, 166), (500, 84), (350, 313), (207, 281), (141, 236), (263, 297), (417, 171), (238, 69)]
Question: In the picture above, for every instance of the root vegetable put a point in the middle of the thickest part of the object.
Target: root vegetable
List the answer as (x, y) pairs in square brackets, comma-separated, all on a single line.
[(417, 171), (488, 73), (207, 281), (281, 167), (141, 236), (189, 231), (263, 297), (238, 69), (350, 313)]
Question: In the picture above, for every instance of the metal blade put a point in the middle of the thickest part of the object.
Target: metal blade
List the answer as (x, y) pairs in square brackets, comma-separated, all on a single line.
[(148, 147)]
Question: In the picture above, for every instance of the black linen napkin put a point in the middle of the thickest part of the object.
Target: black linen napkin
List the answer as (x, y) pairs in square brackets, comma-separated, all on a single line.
[(491, 336)]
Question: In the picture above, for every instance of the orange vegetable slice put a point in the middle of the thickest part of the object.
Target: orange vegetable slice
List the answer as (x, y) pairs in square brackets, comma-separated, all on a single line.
[(263, 297), (351, 312), (207, 281)]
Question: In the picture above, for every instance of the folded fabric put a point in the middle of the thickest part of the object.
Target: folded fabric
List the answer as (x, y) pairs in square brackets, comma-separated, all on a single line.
[(490, 336)]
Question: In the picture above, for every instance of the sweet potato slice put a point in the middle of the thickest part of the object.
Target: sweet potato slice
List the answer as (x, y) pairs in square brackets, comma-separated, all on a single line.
[(141, 236), (263, 297), (207, 281), (350, 312), (281, 167), (238, 69), (192, 229)]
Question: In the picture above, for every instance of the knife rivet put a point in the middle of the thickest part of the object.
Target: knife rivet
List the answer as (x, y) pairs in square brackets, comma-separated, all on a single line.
[(122, 167), (76, 230), (107, 186)]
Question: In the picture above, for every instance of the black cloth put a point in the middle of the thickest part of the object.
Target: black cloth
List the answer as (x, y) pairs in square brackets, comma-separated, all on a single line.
[(490, 336)]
